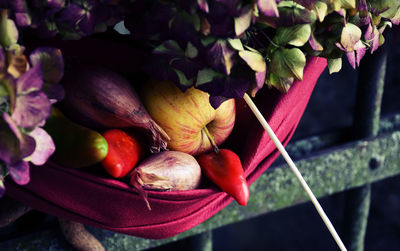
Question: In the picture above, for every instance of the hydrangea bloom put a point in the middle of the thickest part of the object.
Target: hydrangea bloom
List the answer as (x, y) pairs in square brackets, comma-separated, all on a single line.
[(227, 48), (27, 91)]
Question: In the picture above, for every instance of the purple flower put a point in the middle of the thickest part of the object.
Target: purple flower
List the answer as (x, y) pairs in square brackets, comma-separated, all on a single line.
[(224, 88), (15, 146), (268, 8), (19, 172), (2, 187), (32, 107), (44, 147), (351, 44), (9, 144), (221, 56), (53, 70), (2, 60)]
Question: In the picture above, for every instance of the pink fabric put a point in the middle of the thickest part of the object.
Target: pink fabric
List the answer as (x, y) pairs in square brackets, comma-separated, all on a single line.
[(111, 204)]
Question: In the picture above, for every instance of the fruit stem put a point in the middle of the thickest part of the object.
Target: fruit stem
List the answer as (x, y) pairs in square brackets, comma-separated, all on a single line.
[(211, 138)]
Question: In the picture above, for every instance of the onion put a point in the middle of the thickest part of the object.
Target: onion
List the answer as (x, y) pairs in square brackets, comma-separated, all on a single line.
[(100, 99), (166, 171)]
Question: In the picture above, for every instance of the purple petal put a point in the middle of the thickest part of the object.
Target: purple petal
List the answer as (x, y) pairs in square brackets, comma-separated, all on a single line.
[(362, 5), (360, 51), (44, 147), (2, 60), (230, 5), (189, 68), (260, 81), (221, 18), (362, 8), (23, 19), (369, 32), (351, 56), (2, 187), (87, 24), (340, 46), (184, 27), (315, 45), (31, 80), (216, 101), (55, 4), (220, 56), (224, 88), (268, 8), (55, 92), (19, 172), (52, 63), (372, 37), (31, 109), (19, 5), (71, 15), (341, 12), (13, 126), (27, 146), (26, 143), (9, 144), (203, 5)]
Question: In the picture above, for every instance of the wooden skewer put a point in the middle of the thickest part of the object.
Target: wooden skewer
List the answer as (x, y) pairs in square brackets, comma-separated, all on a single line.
[(295, 170)]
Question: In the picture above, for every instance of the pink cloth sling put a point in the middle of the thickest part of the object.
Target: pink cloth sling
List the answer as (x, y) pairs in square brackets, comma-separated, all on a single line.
[(111, 204)]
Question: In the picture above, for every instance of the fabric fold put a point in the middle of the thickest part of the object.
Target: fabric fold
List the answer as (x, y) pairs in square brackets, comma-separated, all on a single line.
[(111, 204)]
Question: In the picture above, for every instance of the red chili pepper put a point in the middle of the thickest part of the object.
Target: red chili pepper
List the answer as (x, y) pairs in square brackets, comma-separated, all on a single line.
[(225, 170), (124, 151)]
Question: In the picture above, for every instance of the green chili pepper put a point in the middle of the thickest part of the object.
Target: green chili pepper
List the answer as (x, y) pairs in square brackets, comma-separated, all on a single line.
[(76, 146)]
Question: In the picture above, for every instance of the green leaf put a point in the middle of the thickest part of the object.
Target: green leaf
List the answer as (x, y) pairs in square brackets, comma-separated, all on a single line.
[(253, 59), (321, 9), (385, 8), (207, 40), (282, 84), (348, 4), (182, 78), (287, 63), (291, 13), (8, 30), (334, 65), (236, 44), (296, 35), (207, 75), (169, 47), (191, 51)]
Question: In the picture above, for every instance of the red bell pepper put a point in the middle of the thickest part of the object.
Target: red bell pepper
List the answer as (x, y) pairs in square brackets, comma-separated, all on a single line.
[(124, 152), (225, 170)]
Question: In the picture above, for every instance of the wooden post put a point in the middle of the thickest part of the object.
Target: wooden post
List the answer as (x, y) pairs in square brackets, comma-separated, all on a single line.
[(371, 79)]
